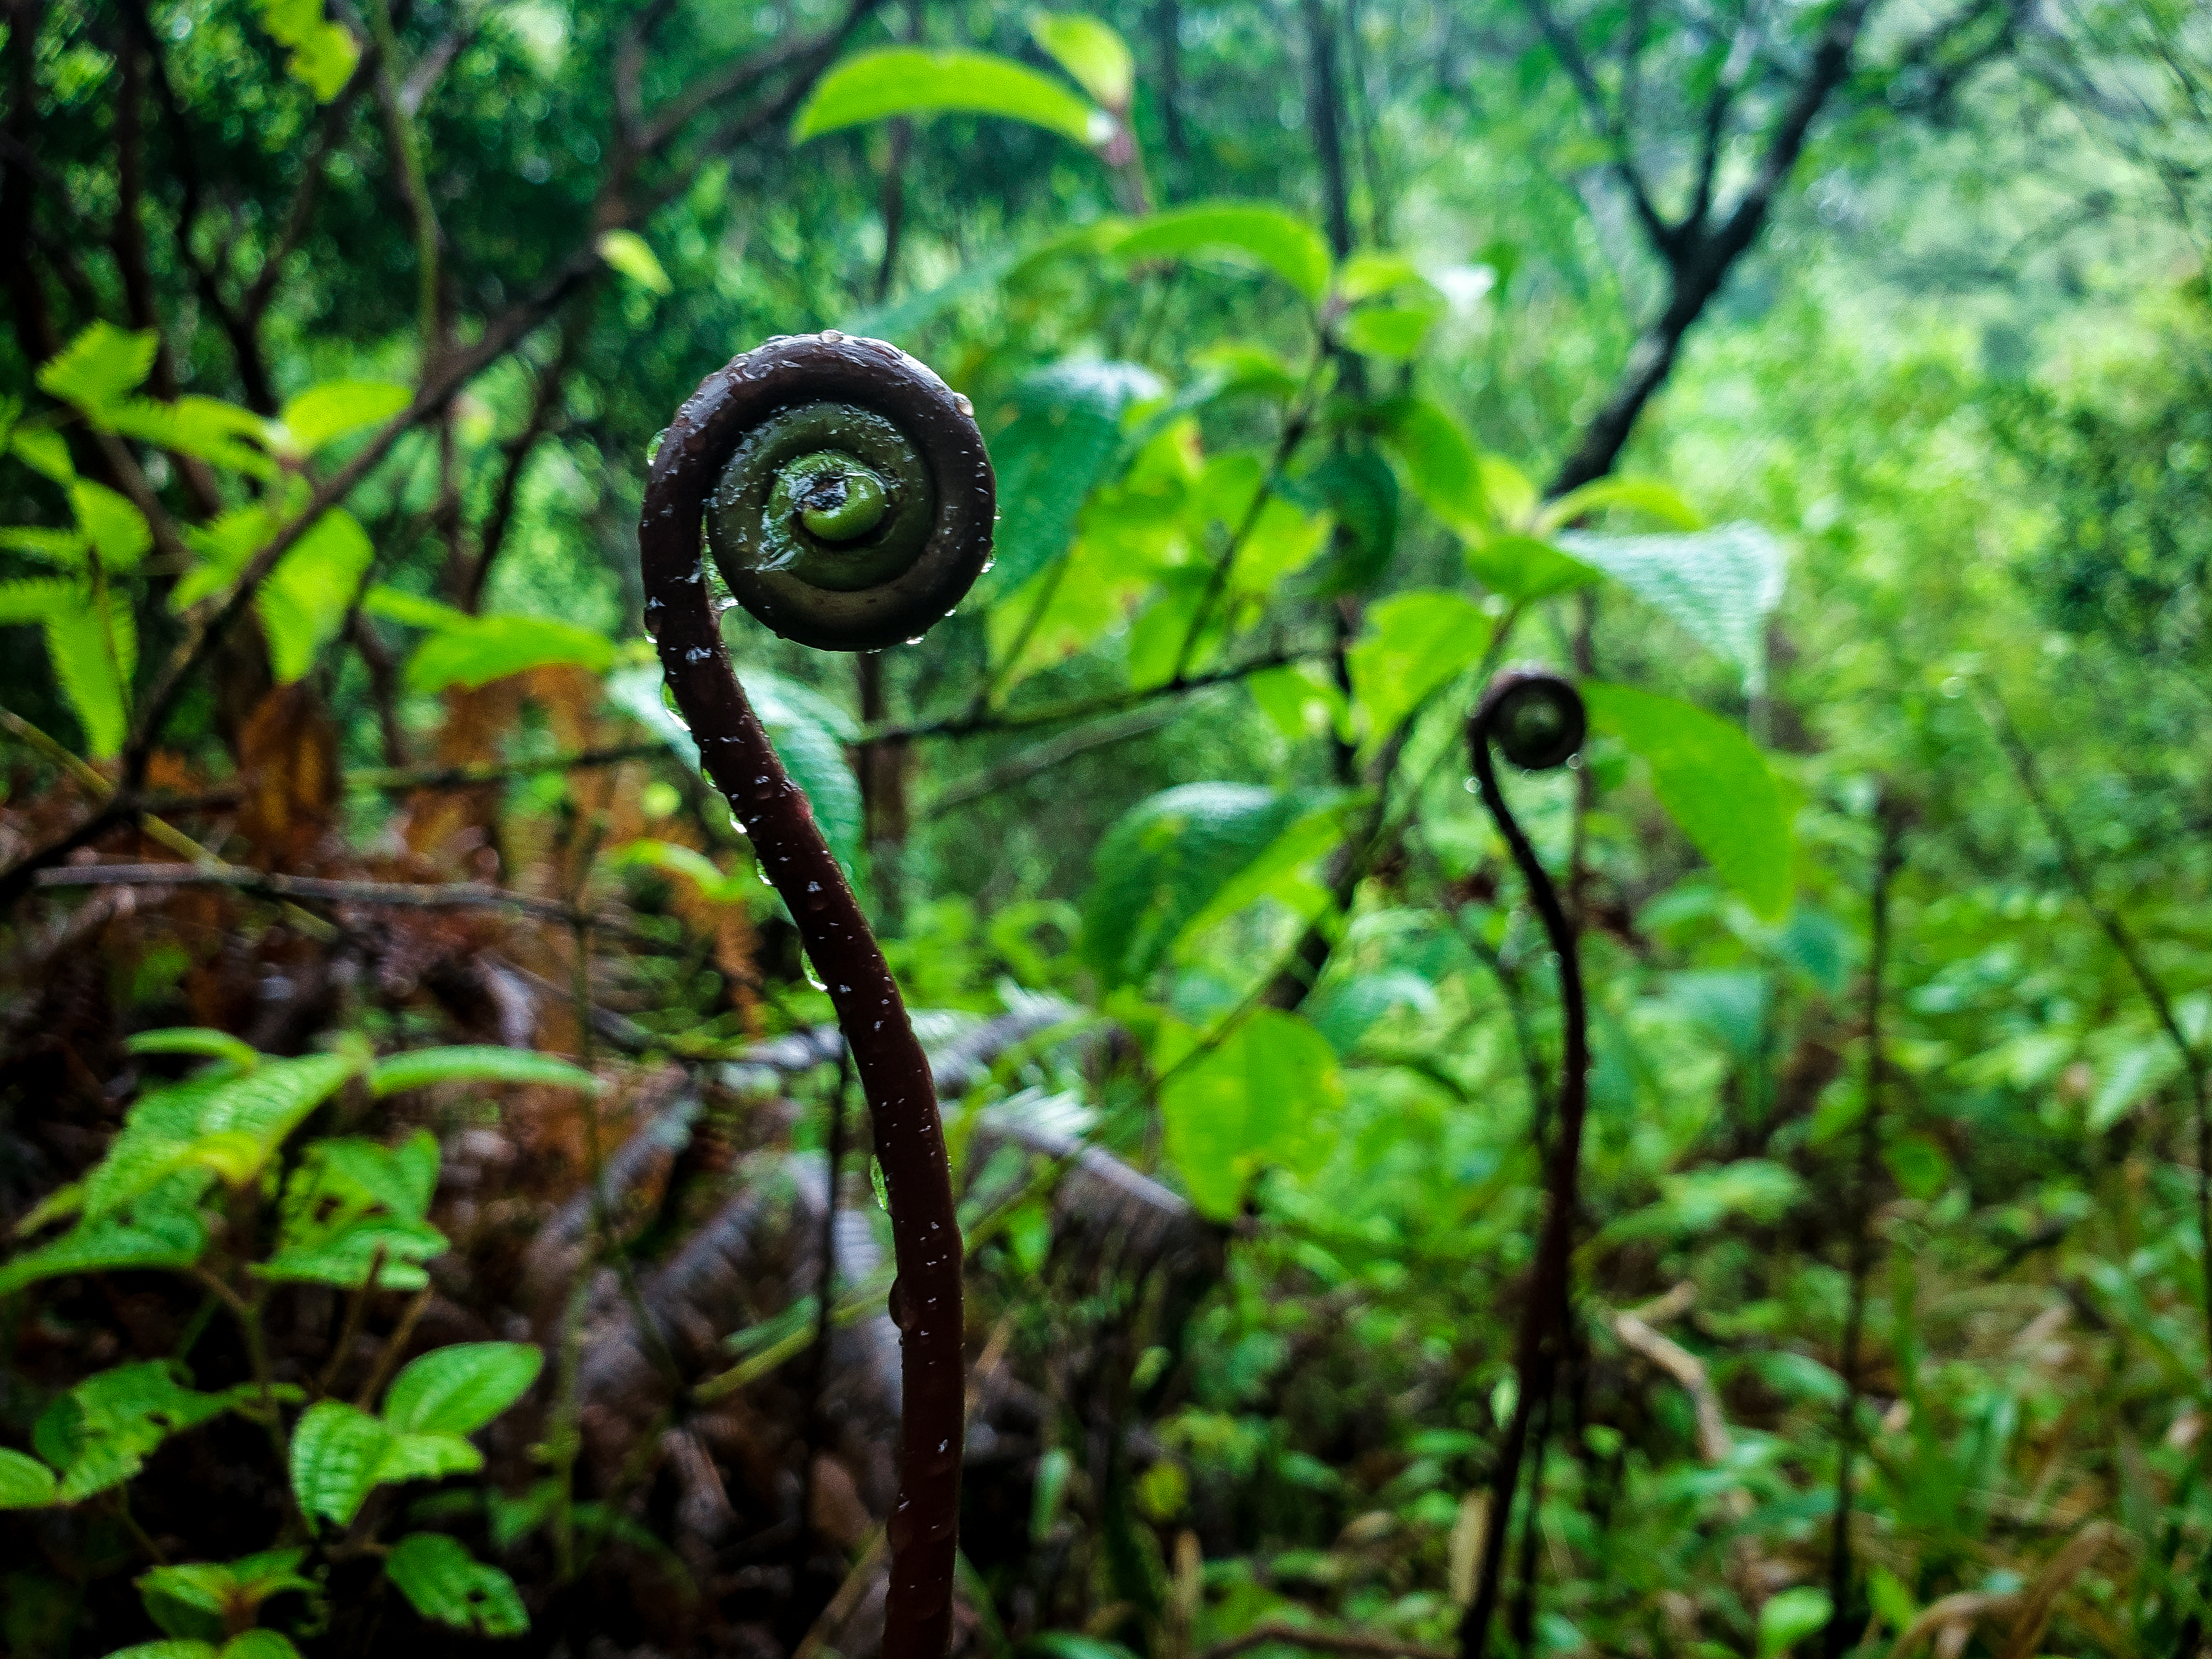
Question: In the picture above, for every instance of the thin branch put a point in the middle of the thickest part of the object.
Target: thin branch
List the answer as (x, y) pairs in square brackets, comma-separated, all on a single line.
[(1049, 754), (544, 409), (403, 780), (1664, 237)]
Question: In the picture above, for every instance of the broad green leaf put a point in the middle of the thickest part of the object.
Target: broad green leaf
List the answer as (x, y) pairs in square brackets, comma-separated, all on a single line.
[(1300, 700), (480, 1063), (488, 648), (1441, 464), (1163, 861), (1695, 1202), (1262, 1096), (1052, 454), (1094, 56), (304, 602), (202, 1599), (1342, 1011), (693, 866), (92, 643), (1414, 643), (352, 1203), (1648, 496), (196, 1040), (1361, 494), (811, 735), (171, 1648), (874, 85), (1285, 245), (322, 54), (259, 1644), (101, 1431), (45, 450), (1714, 782), (1522, 570), (1394, 333), (1720, 585), (458, 1389), (1789, 1617), (330, 411), (1277, 872), (102, 366), (161, 1228), (1370, 274), (442, 1581), (337, 1450), (411, 611), (1731, 1003), (427, 1457), (25, 1482), (627, 251)]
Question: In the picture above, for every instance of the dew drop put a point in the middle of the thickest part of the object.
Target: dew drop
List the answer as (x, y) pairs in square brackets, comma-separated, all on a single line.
[(960, 401), (831, 337)]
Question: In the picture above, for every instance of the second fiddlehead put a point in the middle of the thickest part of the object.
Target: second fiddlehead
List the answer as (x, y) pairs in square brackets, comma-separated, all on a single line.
[(848, 499), (1536, 719)]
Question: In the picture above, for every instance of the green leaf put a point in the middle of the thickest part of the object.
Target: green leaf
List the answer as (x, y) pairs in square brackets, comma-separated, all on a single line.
[(810, 734), (101, 1431), (487, 648), (1361, 493), (1648, 496), (35, 600), (1392, 333), (92, 647), (1285, 245), (259, 1644), (352, 1203), (411, 611), (45, 452), (1441, 466), (627, 251), (427, 1457), (1163, 861), (873, 85), (1261, 1098), (171, 1649), (205, 426), (458, 1389), (304, 602), (442, 1581), (330, 411), (1279, 870), (322, 54), (1523, 569), (1414, 643), (1343, 1009), (1095, 57), (1720, 585), (65, 548), (1695, 1202), (337, 1450), (1714, 783), (196, 1040), (1790, 1617), (204, 1598), (25, 1482), (99, 369), (1300, 700), (1051, 456), (418, 1068), (161, 1228)]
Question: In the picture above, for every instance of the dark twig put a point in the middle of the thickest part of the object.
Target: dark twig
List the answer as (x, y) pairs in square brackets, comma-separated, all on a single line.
[(1888, 860), (1537, 719)]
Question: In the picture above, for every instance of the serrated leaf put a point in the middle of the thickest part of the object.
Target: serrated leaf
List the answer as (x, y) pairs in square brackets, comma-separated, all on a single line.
[(418, 1068), (204, 1598), (442, 1581), (161, 1228), (627, 251), (488, 648), (204, 426), (458, 1389), (1414, 643), (336, 1449), (1720, 585), (92, 648), (107, 1425), (874, 85), (1285, 244), (1714, 783), (65, 548), (1094, 56), (45, 450), (25, 1482), (352, 1203), (102, 366), (1051, 456), (33, 601), (304, 601), (427, 1457), (1262, 1096), (323, 413), (1163, 861)]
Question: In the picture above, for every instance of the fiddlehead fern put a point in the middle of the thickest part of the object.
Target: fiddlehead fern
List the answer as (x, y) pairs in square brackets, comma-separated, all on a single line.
[(1537, 720), (848, 500)]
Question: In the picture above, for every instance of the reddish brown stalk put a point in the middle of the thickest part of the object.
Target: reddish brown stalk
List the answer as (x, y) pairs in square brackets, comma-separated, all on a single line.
[(909, 1140)]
